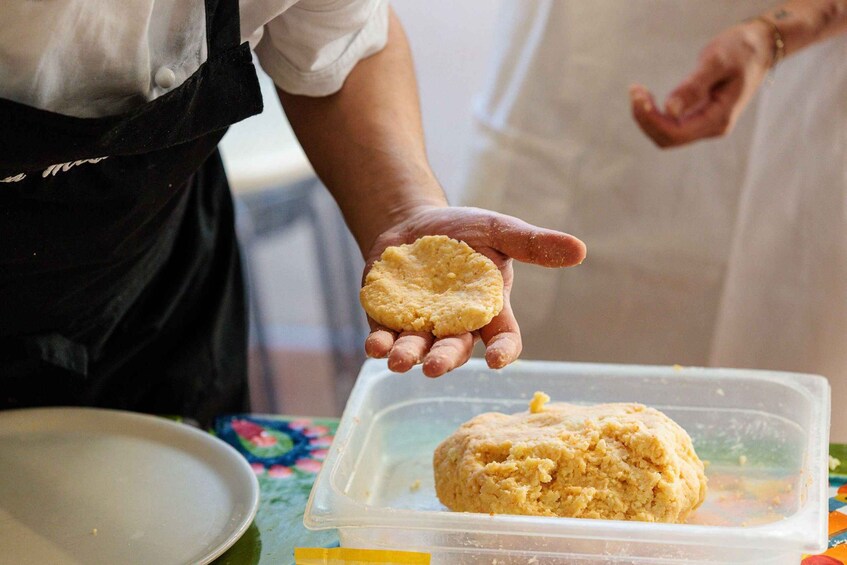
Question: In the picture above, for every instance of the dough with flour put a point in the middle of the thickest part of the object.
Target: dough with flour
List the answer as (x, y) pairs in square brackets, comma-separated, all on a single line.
[(611, 461), (435, 284)]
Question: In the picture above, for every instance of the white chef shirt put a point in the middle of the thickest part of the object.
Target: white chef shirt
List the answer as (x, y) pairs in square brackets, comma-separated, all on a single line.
[(93, 58)]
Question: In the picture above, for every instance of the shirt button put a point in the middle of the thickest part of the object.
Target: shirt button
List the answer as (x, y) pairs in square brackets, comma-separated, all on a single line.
[(165, 78)]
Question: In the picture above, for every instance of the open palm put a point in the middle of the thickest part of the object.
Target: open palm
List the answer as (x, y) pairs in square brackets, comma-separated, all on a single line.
[(499, 237)]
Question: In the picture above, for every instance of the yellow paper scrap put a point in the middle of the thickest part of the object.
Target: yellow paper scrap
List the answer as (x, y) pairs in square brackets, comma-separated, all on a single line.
[(347, 556)]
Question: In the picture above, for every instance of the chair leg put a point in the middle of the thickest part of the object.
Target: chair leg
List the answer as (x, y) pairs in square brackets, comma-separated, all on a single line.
[(352, 266), (354, 328), (336, 302), (247, 240)]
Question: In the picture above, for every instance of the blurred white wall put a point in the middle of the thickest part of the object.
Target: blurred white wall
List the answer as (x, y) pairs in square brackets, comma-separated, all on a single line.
[(451, 43)]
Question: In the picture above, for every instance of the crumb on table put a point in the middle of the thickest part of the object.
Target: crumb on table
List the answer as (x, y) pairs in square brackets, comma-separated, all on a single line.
[(415, 486), (742, 460)]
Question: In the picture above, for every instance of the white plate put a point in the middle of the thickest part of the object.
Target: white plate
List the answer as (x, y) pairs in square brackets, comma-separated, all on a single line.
[(81, 485)]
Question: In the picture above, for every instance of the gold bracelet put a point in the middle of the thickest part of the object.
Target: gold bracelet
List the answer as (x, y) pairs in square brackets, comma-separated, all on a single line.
[(778, 42)]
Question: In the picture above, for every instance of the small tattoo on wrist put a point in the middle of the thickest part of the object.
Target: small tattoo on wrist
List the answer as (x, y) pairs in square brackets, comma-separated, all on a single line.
[(781, 14)]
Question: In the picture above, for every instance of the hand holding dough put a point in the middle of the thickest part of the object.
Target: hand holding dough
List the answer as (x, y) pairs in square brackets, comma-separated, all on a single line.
[(435, 284), (611, 461), (498, 237)]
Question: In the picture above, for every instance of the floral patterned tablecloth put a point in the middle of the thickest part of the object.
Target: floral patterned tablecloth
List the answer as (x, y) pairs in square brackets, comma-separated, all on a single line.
[(286, 454)]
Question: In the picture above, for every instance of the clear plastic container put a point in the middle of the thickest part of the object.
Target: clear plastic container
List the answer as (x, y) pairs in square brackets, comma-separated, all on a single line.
[(764, 434)]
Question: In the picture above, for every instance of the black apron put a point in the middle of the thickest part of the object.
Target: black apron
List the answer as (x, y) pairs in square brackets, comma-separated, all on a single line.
[(120, 281)]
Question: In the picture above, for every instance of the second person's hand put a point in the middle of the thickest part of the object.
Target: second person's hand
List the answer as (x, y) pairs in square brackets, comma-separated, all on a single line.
[(709, 102)]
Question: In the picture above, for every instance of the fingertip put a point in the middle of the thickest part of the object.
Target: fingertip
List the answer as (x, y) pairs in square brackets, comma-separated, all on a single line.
[(674, 106), (378, 344), (580, 251), (398, 363), (564, 250), (504, 350), (408, 350), (641, 110), (435, 366), (641, 99), (441, 361), (373, 351), (636, 89), (401, 360), (496, 359)]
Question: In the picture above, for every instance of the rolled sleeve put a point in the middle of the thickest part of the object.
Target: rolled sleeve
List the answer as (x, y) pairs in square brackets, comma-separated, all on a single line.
[(312, 47)]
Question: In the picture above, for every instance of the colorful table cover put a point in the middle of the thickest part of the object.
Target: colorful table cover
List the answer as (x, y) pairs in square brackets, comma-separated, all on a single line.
[(286, 454)]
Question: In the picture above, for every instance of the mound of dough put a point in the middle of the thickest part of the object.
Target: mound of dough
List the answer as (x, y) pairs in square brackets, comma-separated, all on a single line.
[(435, 284), (610, 461)]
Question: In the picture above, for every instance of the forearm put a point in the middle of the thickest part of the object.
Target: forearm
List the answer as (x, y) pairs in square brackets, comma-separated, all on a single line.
[(366, 141), (805, 22)]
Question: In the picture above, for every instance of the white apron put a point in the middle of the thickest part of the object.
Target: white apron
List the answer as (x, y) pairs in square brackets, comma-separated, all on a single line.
[(730, 252)]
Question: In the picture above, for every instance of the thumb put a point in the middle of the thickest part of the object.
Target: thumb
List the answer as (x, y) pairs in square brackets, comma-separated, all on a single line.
[(530, 244), (694, 91)]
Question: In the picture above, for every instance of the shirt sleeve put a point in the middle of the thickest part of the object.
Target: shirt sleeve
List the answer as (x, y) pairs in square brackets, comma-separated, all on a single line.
[(311, 48)]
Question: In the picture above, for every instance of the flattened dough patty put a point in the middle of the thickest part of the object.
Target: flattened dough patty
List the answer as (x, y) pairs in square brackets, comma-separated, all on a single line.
[(435, 284), (611, 461)]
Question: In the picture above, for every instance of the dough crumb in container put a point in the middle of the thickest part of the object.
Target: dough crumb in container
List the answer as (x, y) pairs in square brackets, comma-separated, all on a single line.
[(611, 461), (536, 405), (436, 284)]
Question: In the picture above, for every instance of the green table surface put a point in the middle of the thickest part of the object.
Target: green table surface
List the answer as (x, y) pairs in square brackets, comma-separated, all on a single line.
[(286, 454)]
